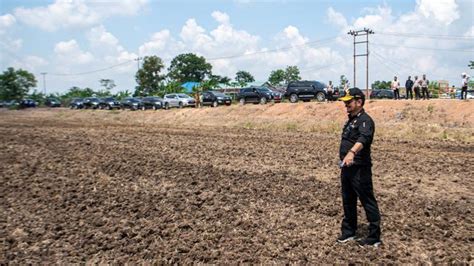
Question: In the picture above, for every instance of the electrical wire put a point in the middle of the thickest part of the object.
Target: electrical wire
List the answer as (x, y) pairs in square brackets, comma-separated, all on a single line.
[(424, 48), (92, 71), (426, 36)]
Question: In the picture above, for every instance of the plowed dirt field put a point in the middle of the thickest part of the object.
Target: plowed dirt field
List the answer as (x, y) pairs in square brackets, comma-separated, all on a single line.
[(254, 183)]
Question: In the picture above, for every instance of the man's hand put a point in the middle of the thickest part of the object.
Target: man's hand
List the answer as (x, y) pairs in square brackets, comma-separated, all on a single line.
[(348, 159)]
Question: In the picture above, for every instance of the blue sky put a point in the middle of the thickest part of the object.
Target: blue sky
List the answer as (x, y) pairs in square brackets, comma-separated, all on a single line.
[(66, 38)]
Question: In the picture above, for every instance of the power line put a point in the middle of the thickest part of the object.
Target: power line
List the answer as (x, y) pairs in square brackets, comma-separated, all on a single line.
[(311, 43), (427, 36), (425, 48), (92, 71)]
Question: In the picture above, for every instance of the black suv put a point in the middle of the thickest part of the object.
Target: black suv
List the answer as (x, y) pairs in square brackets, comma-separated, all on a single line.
[(76, 103), (91, 102), (306, 90), (109, 103), (131, 103), (27, 103), (254, 95), (52, 102), (215, 98), (152, 102)]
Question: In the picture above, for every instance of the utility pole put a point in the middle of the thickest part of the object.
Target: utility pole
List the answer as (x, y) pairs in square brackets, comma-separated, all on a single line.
[(364, 32), (44, 82), (138, 62)]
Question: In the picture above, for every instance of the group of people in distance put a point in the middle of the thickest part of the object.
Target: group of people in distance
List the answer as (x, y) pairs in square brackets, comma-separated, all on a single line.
[(419, 85)]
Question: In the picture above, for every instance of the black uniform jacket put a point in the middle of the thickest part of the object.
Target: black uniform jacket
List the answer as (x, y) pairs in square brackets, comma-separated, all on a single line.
[(359, 128)]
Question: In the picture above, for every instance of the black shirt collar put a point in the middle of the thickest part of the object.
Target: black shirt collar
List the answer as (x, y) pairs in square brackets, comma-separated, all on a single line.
[(357, 115)]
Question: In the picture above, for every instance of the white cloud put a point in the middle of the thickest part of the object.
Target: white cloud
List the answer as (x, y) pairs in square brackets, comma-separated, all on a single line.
[(220, 17), (445, 11), (75, 13), (336, 18), (6, 21), (470, 32), (71, 54)]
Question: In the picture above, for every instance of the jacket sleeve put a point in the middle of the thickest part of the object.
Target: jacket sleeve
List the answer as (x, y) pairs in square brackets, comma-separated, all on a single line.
[(366, 130)]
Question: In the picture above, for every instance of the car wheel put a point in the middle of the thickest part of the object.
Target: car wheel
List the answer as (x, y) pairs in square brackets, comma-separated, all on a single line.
[(293, 98), (242, 101), (143, 108), (154, 108), (180, 105), (320, 97), (263, 100), (214, 104), (167, 106), (108, 107)]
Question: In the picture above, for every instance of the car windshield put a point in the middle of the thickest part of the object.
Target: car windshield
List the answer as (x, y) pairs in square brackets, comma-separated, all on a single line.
[(183, 96), (264, 90), (219, 94), (94, 99), (133, 100), (154, 98), (109, 99)]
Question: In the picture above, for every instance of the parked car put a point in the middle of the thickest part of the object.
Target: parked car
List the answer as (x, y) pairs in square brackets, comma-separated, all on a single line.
[(215, 98), (28, 103), (131, 103), (152, 102), (52, 102), (109, 103), (179, 100), (306, 90), (276, 96), (254, 95), (11, 104), (91, 102), (76, 103), (382, 94)]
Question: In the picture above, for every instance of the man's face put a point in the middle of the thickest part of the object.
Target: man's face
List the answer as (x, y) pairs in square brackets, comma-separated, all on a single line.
[(353, 106)]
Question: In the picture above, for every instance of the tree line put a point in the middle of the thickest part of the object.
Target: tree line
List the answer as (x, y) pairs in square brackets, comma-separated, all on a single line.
[(151, 80)]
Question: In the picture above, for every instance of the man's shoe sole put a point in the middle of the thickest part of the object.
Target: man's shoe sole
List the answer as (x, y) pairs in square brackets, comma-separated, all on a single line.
[(346, 240), (375, 245)]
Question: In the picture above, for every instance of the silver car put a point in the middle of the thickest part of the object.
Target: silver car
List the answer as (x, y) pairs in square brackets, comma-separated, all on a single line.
[(179, 100)]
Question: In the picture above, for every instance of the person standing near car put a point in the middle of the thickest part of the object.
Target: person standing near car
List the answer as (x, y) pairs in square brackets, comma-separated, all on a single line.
[(330, 90), (424, 87), (417, 87), (409, 88), (465, 82), (395, 86), (356, 170)]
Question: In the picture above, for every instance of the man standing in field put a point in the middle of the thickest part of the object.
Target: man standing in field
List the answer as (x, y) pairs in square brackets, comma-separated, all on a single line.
[(409, 88), (395, 85), (424, 88), (356, 170), (417, 87), (465, 82)]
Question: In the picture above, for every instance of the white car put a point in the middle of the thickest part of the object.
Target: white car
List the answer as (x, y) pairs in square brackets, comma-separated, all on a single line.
[(179, 100)]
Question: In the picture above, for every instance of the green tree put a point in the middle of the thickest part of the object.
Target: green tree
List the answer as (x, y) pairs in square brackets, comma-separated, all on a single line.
[(342, 81), (189, 67), (243, 77), (122, 94), (15, 84), (76, 92), (381, 85), (277, 77), (37, 96), (148, 77), (471, 64), (292, 73), (433, 88)]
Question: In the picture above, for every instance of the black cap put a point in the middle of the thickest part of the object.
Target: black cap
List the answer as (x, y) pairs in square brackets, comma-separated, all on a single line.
[(352, 93)]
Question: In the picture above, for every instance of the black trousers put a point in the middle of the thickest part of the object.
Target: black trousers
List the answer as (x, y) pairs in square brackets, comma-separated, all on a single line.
[(356, 183), (396, 94), (426, 94), (464, 93), (409, 93), (417, 93)]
